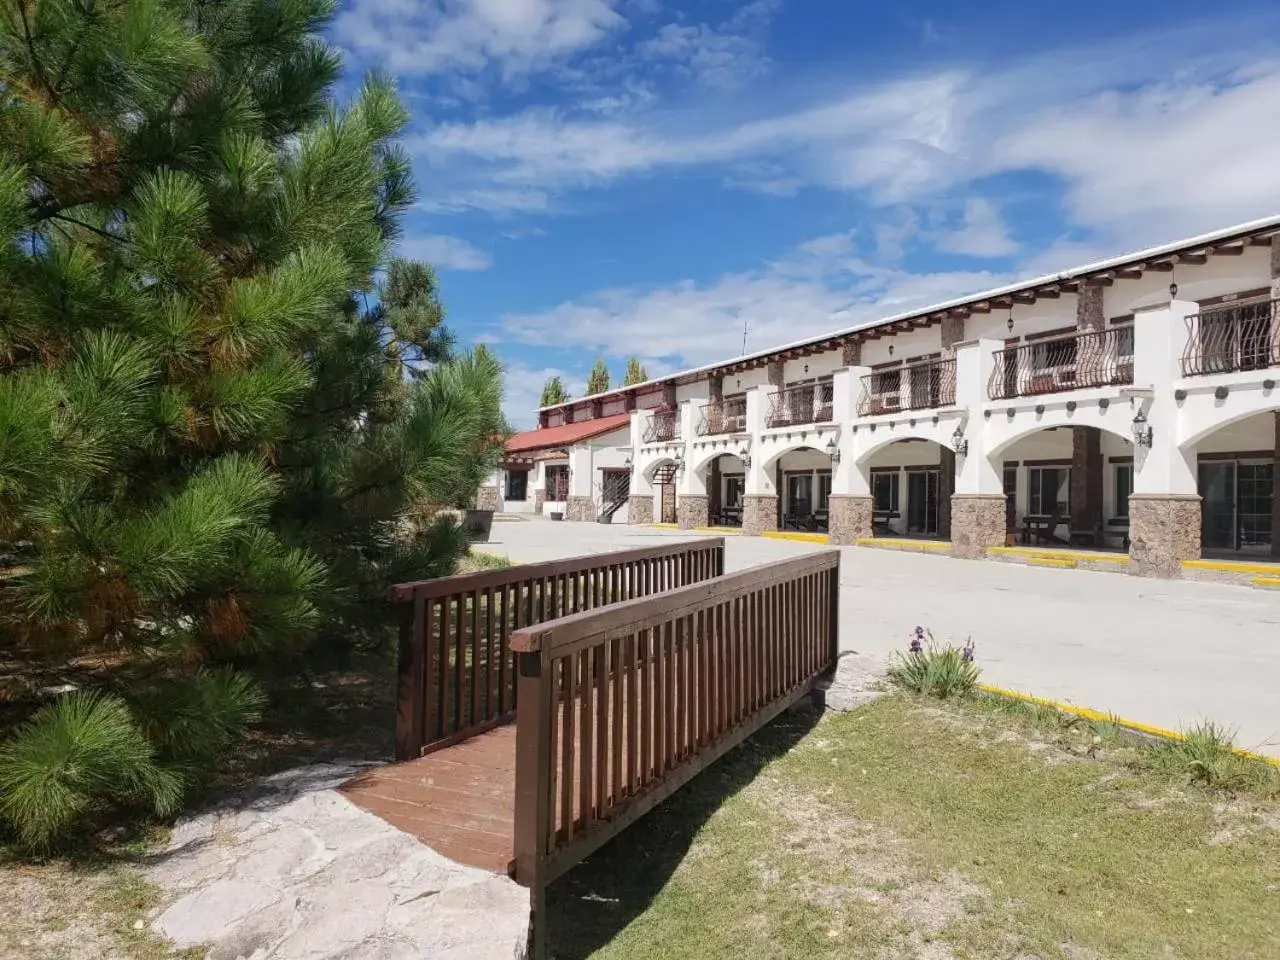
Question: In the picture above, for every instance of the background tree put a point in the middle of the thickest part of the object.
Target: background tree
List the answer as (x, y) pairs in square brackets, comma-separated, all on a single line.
[(635, 373), (214, 458), (598, 379), (553, 392)]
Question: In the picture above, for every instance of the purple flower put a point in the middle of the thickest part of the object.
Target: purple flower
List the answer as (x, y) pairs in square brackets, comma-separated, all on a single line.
[(917, 641), (967, 653)]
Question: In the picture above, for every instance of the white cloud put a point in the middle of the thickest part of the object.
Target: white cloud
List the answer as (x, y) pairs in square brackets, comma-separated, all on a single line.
[(821, 286), (444, 252), (723, 56), (523, 389), (981, 234), (417, 37)]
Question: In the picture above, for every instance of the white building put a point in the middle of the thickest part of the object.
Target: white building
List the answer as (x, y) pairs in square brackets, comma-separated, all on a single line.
[(1129, 404)]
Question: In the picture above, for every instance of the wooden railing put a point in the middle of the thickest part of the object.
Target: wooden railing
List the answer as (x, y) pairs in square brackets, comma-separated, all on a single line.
[(1056, 364), (621, 706), (915, 386), (456, 676), (663, 427), (1244, 335), (802, 403), (723, 416)]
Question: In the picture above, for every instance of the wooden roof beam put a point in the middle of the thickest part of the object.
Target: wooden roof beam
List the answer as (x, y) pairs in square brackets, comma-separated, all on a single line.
[(1161, 266), (1027, 297), (1230, 249), (982, 306), (1197, 258)]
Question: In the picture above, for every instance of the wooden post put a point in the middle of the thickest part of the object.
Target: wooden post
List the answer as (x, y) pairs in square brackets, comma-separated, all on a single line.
[(410, 680), (533, 786), (833, 615)]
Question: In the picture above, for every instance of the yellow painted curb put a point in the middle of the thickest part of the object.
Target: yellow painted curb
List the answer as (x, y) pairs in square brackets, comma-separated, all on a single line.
[(801, 537), (1271, 583), (1060, 563), (1232, 566), (720, 531), (891, 543), (1090, 714), (1090, 555), (666, 526)]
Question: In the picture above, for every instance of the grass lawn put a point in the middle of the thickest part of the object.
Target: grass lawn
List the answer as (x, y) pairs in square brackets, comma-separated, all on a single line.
[(919, 828)]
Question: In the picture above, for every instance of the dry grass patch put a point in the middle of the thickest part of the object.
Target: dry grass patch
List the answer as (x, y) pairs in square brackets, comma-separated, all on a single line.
[(956, 831)]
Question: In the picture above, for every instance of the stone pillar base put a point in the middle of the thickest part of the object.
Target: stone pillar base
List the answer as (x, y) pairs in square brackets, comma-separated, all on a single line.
[(977, 522), (640, 508), (580, 508), (487, 498), (691, 511), (850, 517), (759, 514), (1164, 530), (539, 498)]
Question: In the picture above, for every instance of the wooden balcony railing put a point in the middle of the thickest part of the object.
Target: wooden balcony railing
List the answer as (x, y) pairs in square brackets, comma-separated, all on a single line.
[(802, 403), (1056, 364), (915, 386), (1244, 335), (456, 677), (663, 427), (621, 706), (723, 416)]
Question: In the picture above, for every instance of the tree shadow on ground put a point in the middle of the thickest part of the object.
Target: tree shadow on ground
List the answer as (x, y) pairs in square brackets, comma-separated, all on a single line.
[(597, 899)]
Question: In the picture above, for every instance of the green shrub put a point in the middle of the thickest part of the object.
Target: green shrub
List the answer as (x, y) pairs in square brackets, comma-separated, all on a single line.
[(75, 757), (1207, 755), (936, 671)]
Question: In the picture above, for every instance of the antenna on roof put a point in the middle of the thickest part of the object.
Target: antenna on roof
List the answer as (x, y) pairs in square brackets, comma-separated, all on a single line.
[(744, 336)]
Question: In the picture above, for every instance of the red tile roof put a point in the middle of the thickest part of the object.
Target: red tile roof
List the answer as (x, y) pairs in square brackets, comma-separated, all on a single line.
[(566, 435)]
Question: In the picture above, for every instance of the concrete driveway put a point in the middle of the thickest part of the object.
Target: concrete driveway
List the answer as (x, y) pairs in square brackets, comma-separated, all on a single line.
[(1163, 652)]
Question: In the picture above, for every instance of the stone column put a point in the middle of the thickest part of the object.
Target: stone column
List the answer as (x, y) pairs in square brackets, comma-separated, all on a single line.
[(488, 498), (978, 505), (640, 508), (849, 517), (1164, 508), (1086, 478), (539, 498), (952, 333), (1164, 530), (759, 513), (977, 522), (579, 508), (1089, 312), (946, 488), (691, 511)]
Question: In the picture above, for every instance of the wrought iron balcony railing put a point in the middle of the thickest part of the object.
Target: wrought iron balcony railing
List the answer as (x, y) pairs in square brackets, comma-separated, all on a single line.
[(915, 386), (803, 403), (1244, 335), (1056, 364), (663, 427), (723, 416)]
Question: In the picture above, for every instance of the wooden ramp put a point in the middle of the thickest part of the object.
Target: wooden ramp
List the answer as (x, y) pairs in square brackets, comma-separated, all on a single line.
[(460, 800)]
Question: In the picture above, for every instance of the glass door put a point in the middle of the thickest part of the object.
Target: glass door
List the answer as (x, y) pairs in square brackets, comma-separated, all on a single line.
[(922, 502), (1255, 481), (799, 497), (1218, 493)]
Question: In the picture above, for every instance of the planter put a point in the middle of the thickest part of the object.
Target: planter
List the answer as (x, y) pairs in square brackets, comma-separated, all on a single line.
[(557, 514), (478, 524)]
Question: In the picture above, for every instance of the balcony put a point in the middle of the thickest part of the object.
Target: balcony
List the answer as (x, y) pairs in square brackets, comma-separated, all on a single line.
[(801, 404), (1056, 364), (721, 417), (915, 386), (1244, 335), (663, 427)]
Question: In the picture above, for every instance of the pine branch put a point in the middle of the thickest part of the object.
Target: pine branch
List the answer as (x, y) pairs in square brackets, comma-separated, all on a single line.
[(31, 49)]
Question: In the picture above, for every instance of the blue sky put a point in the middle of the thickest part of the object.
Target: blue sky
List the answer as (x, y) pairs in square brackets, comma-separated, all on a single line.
[(617, 177)]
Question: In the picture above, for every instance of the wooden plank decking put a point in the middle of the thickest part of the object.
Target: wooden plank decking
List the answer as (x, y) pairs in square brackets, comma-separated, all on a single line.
[(460, 800)]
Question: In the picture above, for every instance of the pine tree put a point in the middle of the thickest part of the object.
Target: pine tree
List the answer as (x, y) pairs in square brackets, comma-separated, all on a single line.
[(598, 379), (214, 455), (552, 393), (635, 373)]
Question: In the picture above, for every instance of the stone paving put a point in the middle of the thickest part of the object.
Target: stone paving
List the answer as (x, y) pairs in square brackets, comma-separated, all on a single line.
[(293, 871)]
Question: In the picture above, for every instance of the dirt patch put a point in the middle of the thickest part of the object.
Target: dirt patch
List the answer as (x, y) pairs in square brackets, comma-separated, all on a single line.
[(849, 860)]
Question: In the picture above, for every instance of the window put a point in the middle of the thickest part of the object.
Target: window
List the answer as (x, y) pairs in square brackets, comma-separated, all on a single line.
[(517, 484), (799, 494), (1050, 492), (884, 489), (557, 483), (1124, 487), (734, 486), (824, 490)]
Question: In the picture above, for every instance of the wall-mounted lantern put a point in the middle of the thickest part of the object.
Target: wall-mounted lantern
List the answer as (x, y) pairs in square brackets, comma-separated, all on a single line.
[(745, 456), (833, 450), (1141, 430), (680, 463), (959, 443)]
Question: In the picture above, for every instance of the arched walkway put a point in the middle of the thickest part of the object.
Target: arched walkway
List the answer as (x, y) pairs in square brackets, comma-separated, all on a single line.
[(725, 476), (802, 477), (1237, 483), (1067, 486), (911, 481)]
